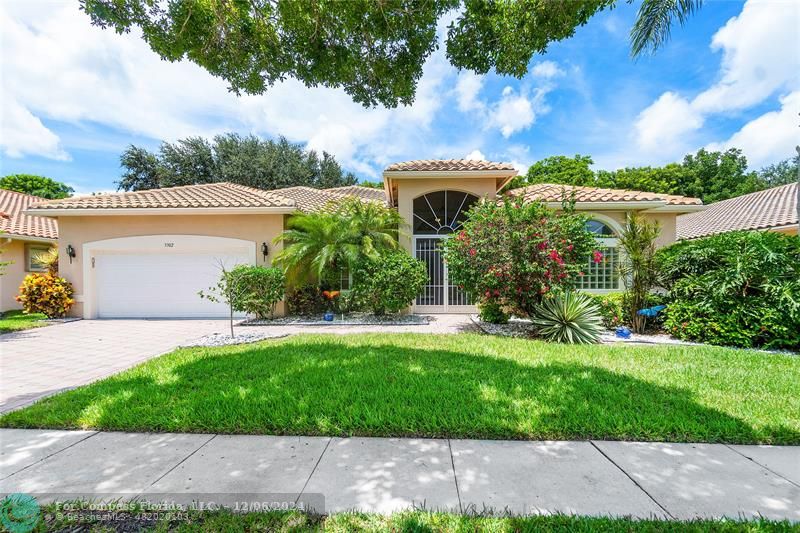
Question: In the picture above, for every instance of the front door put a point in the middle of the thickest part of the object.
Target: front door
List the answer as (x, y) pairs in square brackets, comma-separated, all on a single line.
[(437, 215), (439, 295)]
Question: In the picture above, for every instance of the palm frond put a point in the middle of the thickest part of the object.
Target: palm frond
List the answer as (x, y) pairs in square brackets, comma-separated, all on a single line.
[(654, 22)]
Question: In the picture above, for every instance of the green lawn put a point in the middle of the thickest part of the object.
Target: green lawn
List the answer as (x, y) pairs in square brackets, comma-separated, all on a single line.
[(17, 321), (444, 386), (420, 521)]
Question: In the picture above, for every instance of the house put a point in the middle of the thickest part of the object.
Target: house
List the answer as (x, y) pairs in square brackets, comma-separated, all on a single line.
[(774, 209), (22, 237), (147, 253)]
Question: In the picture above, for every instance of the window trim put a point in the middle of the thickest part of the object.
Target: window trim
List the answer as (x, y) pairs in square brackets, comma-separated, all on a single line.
[(608, 242), (30, 249)]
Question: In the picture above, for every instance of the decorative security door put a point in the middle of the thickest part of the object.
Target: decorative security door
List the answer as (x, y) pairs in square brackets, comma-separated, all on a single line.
[(436, 216)]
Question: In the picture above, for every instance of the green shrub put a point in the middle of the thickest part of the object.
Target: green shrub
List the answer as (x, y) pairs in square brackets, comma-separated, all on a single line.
[(569, 317), (515, 253), (46, 294), (611, 308), (492, 312), (389, 283), (305, 300), (737, 289), (260, 288)]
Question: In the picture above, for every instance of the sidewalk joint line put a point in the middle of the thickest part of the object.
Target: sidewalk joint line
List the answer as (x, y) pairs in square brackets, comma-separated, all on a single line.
[(596, 447), (759, 464), (91, 434), (179, 463), (455, 476), (313, 470)]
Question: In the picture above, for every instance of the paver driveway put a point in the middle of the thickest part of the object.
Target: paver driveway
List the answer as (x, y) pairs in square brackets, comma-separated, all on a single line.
[(40, 362)]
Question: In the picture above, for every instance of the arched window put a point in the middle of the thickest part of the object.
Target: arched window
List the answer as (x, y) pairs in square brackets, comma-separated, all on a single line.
[(601, 229), (441, 212), (603, 276)]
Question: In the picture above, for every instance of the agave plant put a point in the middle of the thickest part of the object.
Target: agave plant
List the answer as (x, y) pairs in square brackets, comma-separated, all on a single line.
[(569, 317)]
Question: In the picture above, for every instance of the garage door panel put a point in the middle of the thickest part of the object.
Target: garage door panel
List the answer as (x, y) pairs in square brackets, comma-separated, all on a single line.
[(160, 285)]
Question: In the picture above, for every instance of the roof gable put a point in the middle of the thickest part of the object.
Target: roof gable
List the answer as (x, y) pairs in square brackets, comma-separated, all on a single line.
[(16, 223), (448, 165)]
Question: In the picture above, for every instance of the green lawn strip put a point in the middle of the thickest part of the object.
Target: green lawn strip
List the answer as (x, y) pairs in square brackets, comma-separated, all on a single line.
[(423, 521), (18, 321), (459, 386)]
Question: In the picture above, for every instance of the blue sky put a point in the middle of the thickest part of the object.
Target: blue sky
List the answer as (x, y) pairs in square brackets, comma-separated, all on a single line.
[(75, 96)]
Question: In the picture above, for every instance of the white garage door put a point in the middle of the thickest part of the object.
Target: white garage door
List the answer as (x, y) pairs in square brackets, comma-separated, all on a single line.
[(160, 285)]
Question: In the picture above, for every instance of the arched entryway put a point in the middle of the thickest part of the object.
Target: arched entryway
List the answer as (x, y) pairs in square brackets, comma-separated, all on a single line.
[(437, 215)]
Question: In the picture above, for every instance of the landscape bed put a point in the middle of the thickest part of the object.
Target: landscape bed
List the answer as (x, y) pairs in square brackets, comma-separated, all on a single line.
[(459, 386)]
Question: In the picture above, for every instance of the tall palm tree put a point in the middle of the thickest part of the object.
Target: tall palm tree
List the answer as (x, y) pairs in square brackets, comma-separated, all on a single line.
[(654, 22), (331, 241)]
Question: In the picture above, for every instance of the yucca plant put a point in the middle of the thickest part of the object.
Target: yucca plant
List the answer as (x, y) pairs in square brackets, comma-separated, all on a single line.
[(569, 317)]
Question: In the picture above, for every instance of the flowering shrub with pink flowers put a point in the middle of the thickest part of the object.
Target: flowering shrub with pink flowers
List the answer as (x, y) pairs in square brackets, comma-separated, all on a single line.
[(513, 254)]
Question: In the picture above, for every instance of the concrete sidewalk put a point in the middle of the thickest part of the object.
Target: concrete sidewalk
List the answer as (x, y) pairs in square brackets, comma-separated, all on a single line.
[(385, 475)]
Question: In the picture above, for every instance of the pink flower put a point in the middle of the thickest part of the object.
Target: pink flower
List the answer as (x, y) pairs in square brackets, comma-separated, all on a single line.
[(472, 252), (542, 245), (597, 256), (581, 274), (570, 247)]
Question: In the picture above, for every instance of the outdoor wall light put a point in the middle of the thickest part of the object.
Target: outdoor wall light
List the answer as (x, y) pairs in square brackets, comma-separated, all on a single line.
[(264, 250), (70, 253)]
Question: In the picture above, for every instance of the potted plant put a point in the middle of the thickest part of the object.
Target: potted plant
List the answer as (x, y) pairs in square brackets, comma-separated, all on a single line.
[(330, 296)]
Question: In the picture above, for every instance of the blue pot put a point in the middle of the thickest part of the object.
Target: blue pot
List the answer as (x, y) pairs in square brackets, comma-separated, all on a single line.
[(623, 332), (328, 316)]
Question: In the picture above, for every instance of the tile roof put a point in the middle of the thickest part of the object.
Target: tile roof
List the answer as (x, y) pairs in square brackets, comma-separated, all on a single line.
[(215, 195), (550, 192), (309, 199), (12, 204), (447, 165), (210, 195), (365, 193), (759, 210)]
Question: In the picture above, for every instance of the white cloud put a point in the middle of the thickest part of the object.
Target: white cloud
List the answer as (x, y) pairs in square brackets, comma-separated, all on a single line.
[(769, 138), (512, 113), (547, 69), (22, 134), (759, 58), (467, 88), (475, 155), (664, 125)]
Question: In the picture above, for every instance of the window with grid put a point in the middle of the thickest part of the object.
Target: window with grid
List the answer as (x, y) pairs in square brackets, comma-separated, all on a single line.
[(603, 275)]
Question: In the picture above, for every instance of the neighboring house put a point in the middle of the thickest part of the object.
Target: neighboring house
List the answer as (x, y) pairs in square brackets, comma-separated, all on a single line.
[(147, 253), (773, 210), (22, 236)]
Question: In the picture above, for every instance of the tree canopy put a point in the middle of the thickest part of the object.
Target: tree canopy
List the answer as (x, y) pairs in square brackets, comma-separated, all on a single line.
[(40, 186), (375, 51), (250, 161), (710, 176)]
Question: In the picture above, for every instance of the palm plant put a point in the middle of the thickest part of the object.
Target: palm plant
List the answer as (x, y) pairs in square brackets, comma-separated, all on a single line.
[(638, 268), (319, 243), (654, 22), (569, 317), (48, 260)]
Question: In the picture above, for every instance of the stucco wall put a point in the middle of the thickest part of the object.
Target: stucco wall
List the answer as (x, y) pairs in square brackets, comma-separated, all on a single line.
[(667, 222), (14, 251), (80, 230)]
